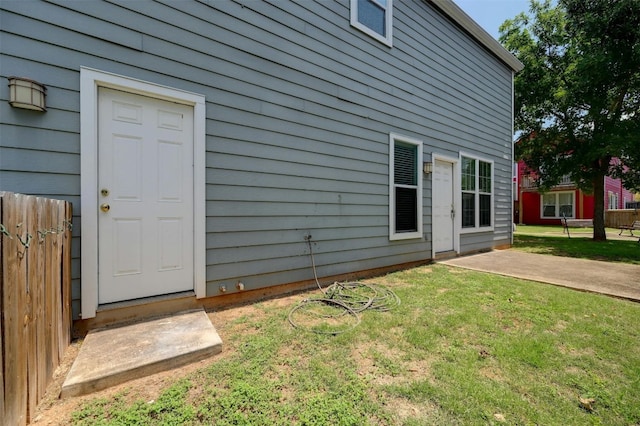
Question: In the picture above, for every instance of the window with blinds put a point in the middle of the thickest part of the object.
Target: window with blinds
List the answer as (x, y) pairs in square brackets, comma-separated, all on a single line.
[(405, 188)]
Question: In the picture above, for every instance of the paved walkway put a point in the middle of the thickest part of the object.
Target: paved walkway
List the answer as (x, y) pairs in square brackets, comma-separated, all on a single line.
[(613, 279)]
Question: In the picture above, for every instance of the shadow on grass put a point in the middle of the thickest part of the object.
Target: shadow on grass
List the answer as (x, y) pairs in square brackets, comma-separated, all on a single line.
[(585, 248)]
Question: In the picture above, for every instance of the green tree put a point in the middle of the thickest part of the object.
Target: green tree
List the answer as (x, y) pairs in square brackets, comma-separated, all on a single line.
[(577, 101)]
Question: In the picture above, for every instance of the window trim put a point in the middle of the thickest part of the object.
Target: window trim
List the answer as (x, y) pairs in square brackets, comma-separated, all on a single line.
[(557, 204), (393, 235), (388, 22), (476, 191)]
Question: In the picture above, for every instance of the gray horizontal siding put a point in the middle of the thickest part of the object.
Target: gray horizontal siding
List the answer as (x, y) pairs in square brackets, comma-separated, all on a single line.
[(299, 109), (41, 184), (46, 140), (324, 269), (40, 161), (299, 267), (248, 237)]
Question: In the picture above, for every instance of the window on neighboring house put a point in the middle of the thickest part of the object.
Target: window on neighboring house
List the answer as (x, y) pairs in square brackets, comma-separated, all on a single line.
[(373, 17), (613, 201), (477, 193), (558, 204), (405, 188), (514, 189)]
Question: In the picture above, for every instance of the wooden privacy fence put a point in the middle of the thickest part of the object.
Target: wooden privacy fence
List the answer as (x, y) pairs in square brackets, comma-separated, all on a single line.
[(35, 299), (618, 218)]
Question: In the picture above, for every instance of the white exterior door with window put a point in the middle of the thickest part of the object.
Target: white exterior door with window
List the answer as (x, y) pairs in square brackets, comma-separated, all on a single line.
[(443, 206), (145, 194)]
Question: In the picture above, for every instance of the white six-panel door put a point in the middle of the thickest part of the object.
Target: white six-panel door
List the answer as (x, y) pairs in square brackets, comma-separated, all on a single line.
[(443, 206), (145, 196)]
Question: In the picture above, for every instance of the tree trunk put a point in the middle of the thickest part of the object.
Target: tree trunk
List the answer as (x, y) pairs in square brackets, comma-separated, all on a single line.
[(599, 233)]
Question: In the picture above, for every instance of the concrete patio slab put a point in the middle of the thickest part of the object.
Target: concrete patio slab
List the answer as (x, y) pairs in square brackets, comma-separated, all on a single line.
[(610, 278), (111, 356)]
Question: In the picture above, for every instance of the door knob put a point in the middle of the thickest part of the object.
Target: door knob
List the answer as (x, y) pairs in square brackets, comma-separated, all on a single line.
[(105, 207)]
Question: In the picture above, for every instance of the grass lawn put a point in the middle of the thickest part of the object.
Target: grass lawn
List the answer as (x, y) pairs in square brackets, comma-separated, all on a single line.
[(462, 348), (551, 240)]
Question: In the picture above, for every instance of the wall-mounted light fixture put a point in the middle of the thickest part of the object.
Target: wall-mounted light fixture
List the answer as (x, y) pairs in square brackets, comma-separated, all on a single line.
[(427, 167), (27, 94)]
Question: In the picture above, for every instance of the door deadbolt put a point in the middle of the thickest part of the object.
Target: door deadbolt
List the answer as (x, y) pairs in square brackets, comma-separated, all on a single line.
[(105, 207), (104, 192)]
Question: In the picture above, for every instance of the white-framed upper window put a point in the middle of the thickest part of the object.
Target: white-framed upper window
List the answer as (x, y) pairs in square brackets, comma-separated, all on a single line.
[(374, 17), (476, 183), (613, 201), (556, 205), (405, 187)]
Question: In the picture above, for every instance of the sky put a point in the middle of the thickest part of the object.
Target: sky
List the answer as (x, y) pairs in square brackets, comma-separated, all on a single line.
[(490, 14)]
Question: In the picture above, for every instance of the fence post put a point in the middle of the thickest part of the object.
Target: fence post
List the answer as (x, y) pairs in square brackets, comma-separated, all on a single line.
[(14, 330), (2, 243), (30, 212), (66, 210)]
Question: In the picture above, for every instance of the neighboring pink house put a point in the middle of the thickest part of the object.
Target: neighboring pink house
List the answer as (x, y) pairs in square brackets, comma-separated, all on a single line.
[(534, 208)]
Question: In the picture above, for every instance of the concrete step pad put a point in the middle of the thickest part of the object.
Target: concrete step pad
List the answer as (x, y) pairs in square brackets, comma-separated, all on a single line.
[(111, 356)]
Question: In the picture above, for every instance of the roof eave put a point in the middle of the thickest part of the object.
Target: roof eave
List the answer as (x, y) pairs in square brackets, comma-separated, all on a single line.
[(458, 16)]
